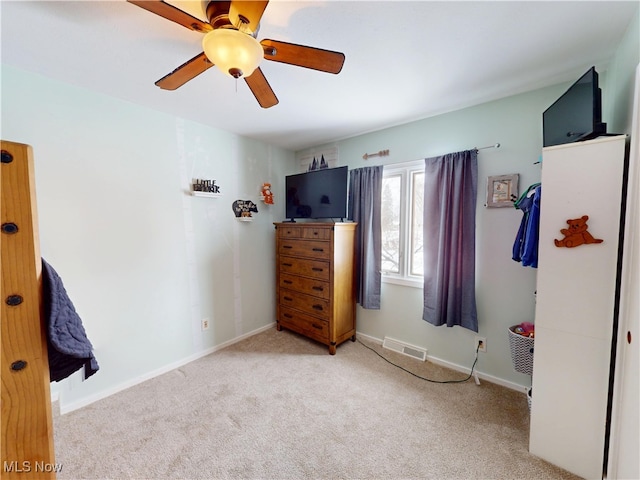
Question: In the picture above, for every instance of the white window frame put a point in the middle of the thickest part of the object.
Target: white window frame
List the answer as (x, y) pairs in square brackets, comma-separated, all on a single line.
[(404, 170)]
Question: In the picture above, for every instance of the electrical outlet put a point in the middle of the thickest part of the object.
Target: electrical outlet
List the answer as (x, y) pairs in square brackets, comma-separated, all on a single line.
[(205, 324), (480, 342)]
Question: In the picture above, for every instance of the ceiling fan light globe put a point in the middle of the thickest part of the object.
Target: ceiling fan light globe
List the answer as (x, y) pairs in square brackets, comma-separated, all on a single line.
[(232, 51)]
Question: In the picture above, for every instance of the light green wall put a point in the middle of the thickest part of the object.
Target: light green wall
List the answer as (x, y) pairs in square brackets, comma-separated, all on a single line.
[(618, 97), (142, 260), (504, 288)]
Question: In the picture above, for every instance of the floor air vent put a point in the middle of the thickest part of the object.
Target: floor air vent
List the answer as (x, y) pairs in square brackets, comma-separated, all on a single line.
[(405, 349)]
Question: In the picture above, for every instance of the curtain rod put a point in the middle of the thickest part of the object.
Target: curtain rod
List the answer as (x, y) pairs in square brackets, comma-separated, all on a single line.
[(497, 145), (383, 153)]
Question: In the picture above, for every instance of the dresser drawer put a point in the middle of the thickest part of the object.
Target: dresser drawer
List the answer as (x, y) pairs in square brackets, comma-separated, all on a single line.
[(304, 324), (289, 232), (306, 303), (303, 266), (305, 248), (316, 233), (317, 288)]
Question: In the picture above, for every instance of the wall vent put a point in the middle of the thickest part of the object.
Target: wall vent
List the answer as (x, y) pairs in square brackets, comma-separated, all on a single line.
[(405, 349)]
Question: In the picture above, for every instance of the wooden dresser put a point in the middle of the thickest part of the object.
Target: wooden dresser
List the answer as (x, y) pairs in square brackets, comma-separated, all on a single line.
[(315, 281)]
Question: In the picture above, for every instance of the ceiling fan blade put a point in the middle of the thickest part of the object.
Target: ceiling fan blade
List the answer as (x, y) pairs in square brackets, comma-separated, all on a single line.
[(245, 15), (185, 72), (261, 89), (308, 57), (172, 13)]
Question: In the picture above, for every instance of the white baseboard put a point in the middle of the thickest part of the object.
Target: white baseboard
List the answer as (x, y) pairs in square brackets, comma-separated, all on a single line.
[(460, 368), (70, 407)]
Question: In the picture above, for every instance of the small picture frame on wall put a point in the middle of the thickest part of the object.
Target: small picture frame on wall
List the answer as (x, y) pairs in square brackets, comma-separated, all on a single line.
[(502, 190)]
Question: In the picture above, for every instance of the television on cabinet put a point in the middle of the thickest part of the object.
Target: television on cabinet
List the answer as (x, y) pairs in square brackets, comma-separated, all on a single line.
[(317, 194), (577, 114)]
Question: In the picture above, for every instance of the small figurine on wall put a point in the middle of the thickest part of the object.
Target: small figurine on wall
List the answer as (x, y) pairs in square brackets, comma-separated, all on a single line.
[(266, 195), (576, 234), (243, 208)]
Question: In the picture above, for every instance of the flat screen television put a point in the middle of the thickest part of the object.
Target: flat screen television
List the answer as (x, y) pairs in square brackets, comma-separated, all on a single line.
[(317, 194), (577, 114)]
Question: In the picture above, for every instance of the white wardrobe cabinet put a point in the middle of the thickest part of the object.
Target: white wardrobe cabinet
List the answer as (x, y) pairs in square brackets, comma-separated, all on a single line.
[(575, 304)]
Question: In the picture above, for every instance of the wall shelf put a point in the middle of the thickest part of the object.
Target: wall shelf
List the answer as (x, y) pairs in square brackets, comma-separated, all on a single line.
[(206, 194)]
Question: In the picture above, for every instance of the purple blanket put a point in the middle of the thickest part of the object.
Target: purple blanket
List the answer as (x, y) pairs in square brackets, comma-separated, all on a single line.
[(67, 342)]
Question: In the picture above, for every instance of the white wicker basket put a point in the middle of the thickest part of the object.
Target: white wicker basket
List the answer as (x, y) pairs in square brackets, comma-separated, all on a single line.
[(521, 352)]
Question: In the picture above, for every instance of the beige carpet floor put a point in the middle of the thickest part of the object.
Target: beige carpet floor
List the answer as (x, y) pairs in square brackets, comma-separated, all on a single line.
[(278, 406)]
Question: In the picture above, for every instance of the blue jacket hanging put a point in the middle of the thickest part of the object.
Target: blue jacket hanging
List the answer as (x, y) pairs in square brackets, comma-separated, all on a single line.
[(525, 247)]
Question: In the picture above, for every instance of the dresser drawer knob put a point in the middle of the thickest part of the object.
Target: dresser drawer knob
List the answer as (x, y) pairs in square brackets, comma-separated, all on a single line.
[(288, 315), (288, 299), (319, 289), (287, 246), (289, 282), (318, 249), (288, 264), (315, 325), (317, 307), (316, 269)]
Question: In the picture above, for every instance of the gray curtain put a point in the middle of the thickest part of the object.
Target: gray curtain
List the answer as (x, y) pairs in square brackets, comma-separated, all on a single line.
[(450, 192), (365, 194)]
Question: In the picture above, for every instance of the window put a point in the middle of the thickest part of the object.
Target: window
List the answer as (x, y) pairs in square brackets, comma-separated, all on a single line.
[(402, 204)]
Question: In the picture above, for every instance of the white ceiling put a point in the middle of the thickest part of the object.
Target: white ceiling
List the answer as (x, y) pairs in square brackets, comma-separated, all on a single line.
[(404, 60)]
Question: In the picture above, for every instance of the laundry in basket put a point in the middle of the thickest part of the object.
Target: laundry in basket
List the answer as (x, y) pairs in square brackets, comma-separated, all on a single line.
[(521, 348)]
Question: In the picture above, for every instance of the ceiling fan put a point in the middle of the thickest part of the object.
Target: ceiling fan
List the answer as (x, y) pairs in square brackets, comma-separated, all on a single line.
[(230, 44)]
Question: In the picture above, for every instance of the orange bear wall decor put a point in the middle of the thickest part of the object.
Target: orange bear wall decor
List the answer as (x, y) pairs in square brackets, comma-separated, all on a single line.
[(576, 234), (266, 195)]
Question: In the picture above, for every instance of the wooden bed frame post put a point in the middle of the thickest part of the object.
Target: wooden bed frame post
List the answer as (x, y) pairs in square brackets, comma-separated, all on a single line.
[(27, 425)]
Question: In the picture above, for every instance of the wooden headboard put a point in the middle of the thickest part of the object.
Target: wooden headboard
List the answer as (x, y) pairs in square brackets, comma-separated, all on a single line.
[(27, 426)]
